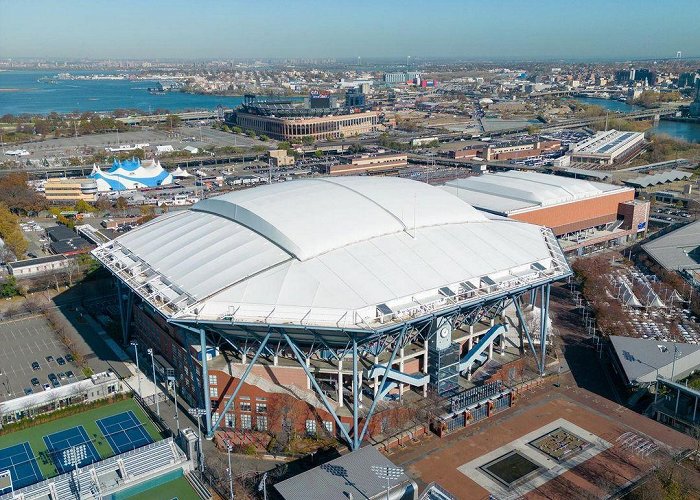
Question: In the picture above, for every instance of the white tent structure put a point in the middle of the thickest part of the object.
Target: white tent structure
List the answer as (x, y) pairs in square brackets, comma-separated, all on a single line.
[(180, 173), (131, 174)]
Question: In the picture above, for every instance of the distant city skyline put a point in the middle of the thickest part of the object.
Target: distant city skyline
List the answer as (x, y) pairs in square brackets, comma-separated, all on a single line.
[(503, 30)]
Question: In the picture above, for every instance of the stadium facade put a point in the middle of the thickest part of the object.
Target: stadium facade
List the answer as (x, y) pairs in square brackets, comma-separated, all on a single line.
[(312, 288), (292, 121), (585, 216), (131, 174)]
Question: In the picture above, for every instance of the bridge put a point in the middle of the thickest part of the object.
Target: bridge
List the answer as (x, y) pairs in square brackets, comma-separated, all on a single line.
[(655, 114), (600, 93), (187, 116)]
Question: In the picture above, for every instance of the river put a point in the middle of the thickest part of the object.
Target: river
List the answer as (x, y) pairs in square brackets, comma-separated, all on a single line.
[(21, 92), (678, 130)]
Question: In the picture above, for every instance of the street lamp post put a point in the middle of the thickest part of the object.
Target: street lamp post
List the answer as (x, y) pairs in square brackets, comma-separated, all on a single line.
[(676, 352), (177, 415), (138, 370), (155, 382), (229, 449), (198, 413), (387, 473)]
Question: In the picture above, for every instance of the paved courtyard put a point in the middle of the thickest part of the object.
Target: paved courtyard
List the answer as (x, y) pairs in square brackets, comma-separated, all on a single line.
[(623, 446)]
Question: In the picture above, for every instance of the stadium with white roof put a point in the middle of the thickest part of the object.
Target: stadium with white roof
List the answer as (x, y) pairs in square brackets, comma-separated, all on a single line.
[(299, 277)]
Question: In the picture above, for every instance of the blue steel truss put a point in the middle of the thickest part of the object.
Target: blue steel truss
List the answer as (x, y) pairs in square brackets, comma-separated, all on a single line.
[(303, 341)]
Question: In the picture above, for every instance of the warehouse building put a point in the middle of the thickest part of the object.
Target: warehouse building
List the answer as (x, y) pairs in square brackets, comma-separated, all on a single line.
[(40, 265), (364, 164), (585, 216), (508, 150), (609, 147)]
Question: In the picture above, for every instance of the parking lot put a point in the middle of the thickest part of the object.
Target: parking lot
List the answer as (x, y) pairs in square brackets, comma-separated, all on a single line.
[(179, 137), (669, 213), (28, 341)]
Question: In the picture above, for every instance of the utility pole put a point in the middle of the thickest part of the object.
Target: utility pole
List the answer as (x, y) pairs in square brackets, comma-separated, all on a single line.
[(229, 449), (155, 382), (172, 379), (138, 370), (198, 413)]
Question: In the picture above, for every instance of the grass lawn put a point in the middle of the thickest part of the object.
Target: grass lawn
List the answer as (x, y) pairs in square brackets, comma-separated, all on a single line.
[(177, 488), (35, 435)]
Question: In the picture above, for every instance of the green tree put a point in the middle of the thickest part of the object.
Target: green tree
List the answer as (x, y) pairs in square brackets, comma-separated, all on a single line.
[(318, 153), (9, 287), (307, 140), (83, 206), (88, 262)]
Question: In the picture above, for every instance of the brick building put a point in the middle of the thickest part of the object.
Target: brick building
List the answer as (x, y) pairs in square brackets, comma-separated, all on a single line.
[(585, 216)]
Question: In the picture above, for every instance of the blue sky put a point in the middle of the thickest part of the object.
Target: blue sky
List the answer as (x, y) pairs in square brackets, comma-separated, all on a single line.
[(503, 29)]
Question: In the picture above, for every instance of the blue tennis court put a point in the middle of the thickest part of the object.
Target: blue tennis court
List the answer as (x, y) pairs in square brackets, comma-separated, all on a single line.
[(124, 432), (21, 463), (71, 447)]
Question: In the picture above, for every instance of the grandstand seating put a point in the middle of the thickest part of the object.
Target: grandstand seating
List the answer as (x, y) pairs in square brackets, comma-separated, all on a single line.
[(139, 464)]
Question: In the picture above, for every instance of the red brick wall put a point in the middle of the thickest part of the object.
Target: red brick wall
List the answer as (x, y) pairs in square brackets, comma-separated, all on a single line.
[(577, 215), (279, 406)]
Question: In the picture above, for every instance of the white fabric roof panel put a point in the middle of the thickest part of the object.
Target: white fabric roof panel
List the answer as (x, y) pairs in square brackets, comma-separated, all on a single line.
[(325, 248), (201, 253), (506, 192), (360, 210)]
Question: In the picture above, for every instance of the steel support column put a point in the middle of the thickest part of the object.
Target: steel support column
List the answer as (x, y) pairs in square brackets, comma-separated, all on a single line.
[(355, 400), (524, 328), (205, 379), (544, 313), (126, 305), (302, 361), (385, 377), (228, 404)]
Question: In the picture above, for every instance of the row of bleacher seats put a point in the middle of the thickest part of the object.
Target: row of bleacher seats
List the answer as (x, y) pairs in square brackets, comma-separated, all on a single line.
[(144, 462)]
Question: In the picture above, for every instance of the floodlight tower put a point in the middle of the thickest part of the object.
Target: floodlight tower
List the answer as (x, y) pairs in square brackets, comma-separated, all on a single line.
[(388, 473)]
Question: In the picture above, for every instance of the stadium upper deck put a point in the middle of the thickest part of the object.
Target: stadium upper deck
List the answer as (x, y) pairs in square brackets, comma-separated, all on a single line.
[(348, 253)]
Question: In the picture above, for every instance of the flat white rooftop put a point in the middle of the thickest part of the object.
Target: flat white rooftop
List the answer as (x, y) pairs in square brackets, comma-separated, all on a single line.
[(507, 193), (609, 143)]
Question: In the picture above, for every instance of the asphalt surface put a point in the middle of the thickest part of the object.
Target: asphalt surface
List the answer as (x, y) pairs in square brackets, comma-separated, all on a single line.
[(25, 341), (186, 135)]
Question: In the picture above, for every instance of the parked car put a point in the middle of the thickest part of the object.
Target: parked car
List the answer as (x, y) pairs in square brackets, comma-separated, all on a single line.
[(28, 391), (35, 382), (69, 374), (54, 380), (47, 387), (62, 376), (36, 366), (49, 359), (69, 358), (60, 361)]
